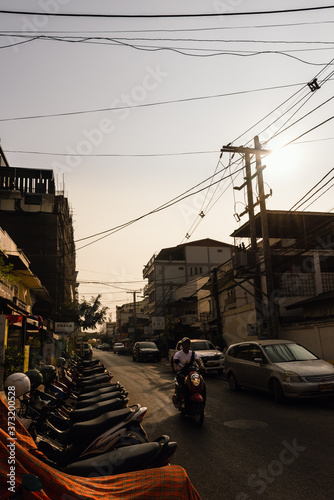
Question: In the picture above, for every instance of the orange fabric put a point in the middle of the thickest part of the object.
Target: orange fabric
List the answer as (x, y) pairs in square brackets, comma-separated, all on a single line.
[(163, 483)]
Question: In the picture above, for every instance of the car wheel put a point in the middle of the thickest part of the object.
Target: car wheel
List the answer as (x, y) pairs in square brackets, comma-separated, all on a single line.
[(133, 357), (278, 392), (232, 382)]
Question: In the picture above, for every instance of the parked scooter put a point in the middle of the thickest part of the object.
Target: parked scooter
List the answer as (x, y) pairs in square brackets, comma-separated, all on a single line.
[(94, 437), (122, 447), (191, 397), (131, 458)]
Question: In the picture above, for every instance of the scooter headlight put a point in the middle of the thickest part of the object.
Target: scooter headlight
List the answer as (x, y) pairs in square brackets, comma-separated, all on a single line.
[(195, 379)]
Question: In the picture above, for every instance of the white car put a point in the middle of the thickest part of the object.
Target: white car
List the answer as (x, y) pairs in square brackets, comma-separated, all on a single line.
[(282, 367), (212, 358), (118, 346)]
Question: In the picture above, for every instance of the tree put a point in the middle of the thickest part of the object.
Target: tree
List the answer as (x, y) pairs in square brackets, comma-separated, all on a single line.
[(85, 314), (6, 271)]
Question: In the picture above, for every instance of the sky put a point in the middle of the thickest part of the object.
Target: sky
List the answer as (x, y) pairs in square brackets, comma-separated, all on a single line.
[(131, 114)]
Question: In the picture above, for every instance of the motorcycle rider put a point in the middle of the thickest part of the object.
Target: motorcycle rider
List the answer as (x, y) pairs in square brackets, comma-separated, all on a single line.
[(183, 358)]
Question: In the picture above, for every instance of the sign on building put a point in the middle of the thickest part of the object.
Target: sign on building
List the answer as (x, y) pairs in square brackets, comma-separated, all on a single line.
[(61, 327), (110, 328), (158, 322), (147, 331)]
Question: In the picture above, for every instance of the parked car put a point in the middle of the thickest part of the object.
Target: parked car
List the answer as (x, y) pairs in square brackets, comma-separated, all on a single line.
[(118, 347), (105, 347), (281, 367), (212, 357), (84, 350), (146, 351)]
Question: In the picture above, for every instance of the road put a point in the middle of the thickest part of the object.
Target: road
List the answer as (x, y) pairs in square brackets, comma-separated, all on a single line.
[(248, 448)]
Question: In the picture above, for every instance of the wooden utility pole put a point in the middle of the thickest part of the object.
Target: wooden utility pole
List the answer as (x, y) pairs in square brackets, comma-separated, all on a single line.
[(134, 311), (267, 314), (271, 313), (216, 299)]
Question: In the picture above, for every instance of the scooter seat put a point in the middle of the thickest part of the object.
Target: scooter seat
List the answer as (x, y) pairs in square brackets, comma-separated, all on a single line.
[(87, 431), (94, 379), (92, 371), (94, 387), (91, 412), (88, 362), (86, 403), (92, 376), (99, 392), (127, 459)]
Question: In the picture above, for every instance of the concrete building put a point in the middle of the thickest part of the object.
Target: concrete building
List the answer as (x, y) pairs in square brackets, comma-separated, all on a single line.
[(302, 267), (39, 220), (173, 267), (20, 290)]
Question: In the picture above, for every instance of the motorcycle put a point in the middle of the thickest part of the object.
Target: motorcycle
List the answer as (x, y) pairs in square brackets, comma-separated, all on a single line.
[(83, 440), (190, 398)]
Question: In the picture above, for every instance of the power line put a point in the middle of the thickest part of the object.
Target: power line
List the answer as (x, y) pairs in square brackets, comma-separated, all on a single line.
[(145, 105), (165, 16), (181, 51), (146, 155), (123, 226), (171, 30)]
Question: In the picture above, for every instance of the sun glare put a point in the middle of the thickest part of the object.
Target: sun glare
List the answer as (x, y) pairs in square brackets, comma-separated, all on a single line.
[(283, 159)]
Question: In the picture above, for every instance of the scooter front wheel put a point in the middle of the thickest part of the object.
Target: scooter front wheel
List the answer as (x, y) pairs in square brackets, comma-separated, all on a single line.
[(197, 413)]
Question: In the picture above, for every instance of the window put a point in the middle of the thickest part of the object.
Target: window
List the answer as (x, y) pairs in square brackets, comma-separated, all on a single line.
[(243, 352), (255, 352)]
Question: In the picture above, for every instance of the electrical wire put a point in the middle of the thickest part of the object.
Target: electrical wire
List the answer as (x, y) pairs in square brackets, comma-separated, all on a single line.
[(167, 16), (112, 231), (145, 105), (171, 30)]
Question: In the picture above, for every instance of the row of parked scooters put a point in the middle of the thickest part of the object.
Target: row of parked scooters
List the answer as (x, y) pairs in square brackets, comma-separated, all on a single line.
[(82, 421)]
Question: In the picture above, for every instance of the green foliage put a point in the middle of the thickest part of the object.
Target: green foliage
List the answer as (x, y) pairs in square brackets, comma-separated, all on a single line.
[(86, 315), (13, 361), (6, 271), (92, 313)]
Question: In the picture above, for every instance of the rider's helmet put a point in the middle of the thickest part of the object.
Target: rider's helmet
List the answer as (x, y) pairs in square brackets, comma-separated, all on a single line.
[(18, 383), (35, 377), (49, 373)]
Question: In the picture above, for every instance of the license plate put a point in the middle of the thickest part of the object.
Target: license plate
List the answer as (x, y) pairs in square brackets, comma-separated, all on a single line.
[(211, 363), (326, 387)]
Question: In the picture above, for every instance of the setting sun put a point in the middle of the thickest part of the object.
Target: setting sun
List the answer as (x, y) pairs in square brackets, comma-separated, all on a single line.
[(284, 158)]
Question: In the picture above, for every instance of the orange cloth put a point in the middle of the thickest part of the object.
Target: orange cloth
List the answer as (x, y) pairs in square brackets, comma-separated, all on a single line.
[(163, 483)]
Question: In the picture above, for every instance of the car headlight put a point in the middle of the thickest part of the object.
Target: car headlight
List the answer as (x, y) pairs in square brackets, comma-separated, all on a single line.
[(221, 356), (292, 377)]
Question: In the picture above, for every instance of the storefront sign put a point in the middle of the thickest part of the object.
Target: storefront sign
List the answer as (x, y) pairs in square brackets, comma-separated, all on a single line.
[(64, 327)]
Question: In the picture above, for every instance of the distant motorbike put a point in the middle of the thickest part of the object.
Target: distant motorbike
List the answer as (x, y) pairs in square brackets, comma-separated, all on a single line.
[(190, 399)]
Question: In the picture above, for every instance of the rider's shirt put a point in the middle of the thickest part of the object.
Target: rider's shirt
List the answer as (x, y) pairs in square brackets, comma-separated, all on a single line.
[(184, 358)]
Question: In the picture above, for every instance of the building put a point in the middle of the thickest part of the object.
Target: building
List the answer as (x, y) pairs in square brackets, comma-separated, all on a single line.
[(39, 220), (131, 320), (302, 267), (20, 291), (177, 274)]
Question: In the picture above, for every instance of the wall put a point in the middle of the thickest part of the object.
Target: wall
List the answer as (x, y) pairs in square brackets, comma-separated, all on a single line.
[(317, 338)]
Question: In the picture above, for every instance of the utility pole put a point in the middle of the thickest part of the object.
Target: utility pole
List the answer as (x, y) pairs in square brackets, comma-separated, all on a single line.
[(261, 313), (216, 299), (134, 310), (271, 314)]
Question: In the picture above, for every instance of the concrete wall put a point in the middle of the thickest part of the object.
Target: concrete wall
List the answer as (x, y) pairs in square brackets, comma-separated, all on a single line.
[(317, 338)]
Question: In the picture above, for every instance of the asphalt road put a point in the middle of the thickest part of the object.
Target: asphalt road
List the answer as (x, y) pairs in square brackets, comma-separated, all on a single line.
[(248, 448)]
